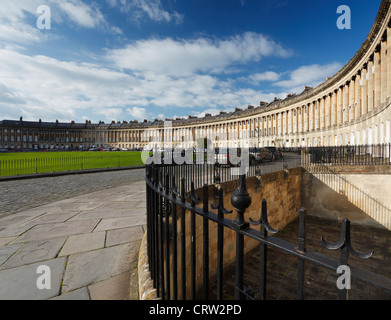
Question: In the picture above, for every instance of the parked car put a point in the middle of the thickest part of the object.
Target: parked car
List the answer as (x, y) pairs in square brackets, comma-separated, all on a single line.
[(276, 152), (265, 155), (255, 156)]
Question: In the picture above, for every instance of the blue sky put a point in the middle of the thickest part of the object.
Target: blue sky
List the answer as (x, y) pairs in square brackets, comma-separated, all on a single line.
[(145, 59)]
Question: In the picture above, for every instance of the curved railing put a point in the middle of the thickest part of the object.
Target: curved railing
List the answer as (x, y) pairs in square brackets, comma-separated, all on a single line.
[(181, 245)]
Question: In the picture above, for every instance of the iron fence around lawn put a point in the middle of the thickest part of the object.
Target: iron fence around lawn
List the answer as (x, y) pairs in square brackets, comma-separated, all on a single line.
[(15, 167), (168, 206)]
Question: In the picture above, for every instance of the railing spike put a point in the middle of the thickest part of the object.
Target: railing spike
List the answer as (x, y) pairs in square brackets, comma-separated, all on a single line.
[(193, 196), (264, 219), (344, 241), (220, 206)]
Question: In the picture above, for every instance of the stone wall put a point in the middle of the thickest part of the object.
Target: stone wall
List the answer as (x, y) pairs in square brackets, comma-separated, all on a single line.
[(339, 196), (282, 190)]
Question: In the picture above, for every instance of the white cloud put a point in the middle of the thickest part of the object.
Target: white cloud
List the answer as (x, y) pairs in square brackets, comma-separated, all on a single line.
[(80, 13), (13, 27), (42, 87), (265, 76), (137, 10), (311, 75), (185, 57), (16, 24), (137, 113)]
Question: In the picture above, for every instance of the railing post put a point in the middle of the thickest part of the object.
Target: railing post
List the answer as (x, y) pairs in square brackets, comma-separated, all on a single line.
[(220, 243), (149, 229), (174, 194), (301, 249), (265, 229), (155, 200), (183, 240), (345, 245), (205, 243), (161, 232), (167, 216), (240, 200), (193, 199)]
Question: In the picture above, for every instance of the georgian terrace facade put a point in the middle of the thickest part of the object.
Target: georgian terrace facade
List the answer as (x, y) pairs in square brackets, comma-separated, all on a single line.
[(351, 108)]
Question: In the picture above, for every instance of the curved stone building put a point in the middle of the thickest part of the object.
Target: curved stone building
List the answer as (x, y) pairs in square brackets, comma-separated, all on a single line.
[(351, 108)]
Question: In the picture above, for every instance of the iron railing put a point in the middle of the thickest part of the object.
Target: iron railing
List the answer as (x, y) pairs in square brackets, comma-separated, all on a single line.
[(168, 205), (25, 166), (363, 155), (210, 172)]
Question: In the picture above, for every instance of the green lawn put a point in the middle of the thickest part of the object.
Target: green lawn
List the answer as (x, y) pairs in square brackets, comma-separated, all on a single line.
[(12, 164)]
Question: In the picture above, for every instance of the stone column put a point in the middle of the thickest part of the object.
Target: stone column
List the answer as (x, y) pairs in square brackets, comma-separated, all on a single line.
[(345, 102), (311, 116), (333, 115), (364, 95), (377, 84), (339, 105), (328, 110), (357, 96), (384, 76), (322, 114), (370, 85), (351, 98), (388, 93)]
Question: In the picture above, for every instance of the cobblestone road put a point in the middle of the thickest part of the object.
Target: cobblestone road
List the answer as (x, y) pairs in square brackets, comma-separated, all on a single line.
[(20, 195)]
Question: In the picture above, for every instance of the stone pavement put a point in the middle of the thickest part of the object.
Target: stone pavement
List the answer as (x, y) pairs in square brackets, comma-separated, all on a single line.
[(89, 242), (20, 195)]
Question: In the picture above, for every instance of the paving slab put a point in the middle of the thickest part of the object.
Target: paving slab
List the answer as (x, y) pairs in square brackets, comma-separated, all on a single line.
[(33, 252), (54, 230), (108, 289), (21, 283), (118, 223), (90, 243), (8, 251), (83, 242), (86, 268), (79, 294), (104, 213), (120, 236)]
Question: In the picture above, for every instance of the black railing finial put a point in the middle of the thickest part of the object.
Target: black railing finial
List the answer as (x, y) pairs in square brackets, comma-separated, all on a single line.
[(220, 206), (345, 245), (241, 200), (264, 221)]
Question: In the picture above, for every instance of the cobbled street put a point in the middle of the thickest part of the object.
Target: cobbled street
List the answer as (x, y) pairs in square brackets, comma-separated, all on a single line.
[(21, 195)]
